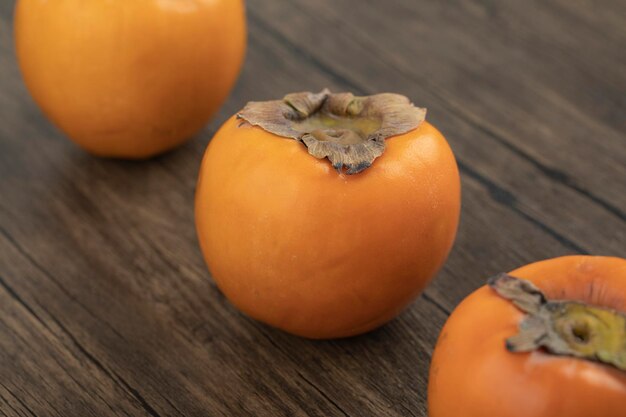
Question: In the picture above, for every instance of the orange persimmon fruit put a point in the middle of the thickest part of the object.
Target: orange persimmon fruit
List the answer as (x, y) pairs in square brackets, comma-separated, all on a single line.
[(130, 79), (326, 214), (559, 351)]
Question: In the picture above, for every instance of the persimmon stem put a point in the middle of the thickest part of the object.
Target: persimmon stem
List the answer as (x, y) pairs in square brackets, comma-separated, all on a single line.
[(570, 328), (350, 131)]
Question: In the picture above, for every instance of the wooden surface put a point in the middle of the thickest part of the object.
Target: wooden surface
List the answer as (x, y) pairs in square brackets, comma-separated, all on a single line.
[(107, 309)]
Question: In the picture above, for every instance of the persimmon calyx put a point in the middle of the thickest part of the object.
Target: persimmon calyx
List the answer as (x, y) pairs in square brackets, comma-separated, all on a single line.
[(350, 131), (562, 327)]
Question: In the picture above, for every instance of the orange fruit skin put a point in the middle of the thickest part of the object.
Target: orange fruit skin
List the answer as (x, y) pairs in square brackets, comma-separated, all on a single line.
[(319, 254), (130, 79), (473, 375)]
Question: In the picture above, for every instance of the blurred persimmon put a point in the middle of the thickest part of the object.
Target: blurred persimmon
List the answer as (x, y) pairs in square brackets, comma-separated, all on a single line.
[(133, 78), (548, 340), (327, 248)]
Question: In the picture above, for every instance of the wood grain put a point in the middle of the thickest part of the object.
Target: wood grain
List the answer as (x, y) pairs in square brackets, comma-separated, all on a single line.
[(107, 309)]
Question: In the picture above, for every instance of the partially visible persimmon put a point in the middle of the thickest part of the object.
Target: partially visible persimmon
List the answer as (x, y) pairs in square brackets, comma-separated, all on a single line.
[(326, 214), (548, 340), (129, 78)]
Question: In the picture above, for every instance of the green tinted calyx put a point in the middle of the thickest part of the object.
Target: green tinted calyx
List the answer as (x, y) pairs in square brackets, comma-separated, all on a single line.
[(569, 328)]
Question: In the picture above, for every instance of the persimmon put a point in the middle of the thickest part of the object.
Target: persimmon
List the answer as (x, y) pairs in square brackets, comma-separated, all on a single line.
[(133, 78), (546, 340), (326, 214)]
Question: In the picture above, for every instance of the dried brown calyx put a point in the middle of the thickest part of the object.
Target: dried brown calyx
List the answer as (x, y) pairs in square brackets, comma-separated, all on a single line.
[(569, 328), (350, 131)]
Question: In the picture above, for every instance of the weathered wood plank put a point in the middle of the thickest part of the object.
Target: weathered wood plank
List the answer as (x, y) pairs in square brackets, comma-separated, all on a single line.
[(106, 307)]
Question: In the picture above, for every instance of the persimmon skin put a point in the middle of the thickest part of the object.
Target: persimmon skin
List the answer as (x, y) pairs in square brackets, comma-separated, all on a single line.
[(319, 254), (130, 79), (473, 375)]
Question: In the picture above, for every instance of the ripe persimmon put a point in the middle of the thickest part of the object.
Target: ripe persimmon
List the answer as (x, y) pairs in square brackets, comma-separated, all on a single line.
[(548, 340), (133, 78), (321, 249)]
